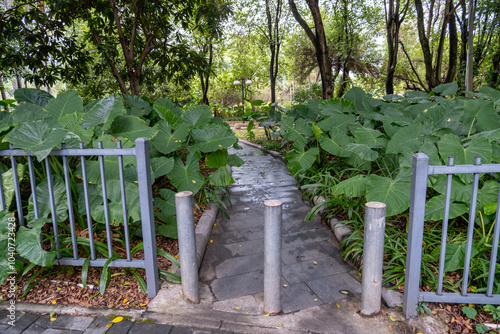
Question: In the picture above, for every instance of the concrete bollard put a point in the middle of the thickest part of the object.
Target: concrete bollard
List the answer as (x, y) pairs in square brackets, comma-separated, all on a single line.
[(187, 245), (373, 257), (272, 256)]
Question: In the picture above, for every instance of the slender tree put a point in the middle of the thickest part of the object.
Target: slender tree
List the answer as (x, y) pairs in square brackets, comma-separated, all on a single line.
[(318, 39)]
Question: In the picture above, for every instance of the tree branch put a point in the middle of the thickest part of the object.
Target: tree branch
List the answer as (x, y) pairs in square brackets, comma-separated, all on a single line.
[(411, 64), (301, 21)]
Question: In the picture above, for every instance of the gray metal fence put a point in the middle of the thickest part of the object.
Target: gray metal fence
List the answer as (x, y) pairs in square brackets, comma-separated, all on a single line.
[(141, 152), (412, 296)]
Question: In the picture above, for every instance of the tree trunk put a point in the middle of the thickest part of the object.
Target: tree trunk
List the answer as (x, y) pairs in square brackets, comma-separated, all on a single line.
[(205, 75), (426, 50), (495, 62), (318, 38), (2, 91), (453, 45), (393, 24)]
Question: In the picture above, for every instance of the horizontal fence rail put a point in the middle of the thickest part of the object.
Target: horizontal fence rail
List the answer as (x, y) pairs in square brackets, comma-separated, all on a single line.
[(141, 152), (421, 170)]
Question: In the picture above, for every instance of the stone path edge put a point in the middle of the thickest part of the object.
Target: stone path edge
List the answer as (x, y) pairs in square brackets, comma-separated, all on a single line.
[(391, 297)]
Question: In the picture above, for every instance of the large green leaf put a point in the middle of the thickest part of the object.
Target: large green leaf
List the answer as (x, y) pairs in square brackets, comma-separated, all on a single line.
[(234, 161), (65, 103), (169, 105), (131, 128), (73, 123), (166, 203), (352, 187), (32, 95), (168, 228), (395, 193), (8, 183), (131, 194), (363, 151), (217, 159), (36, 138), (197, 116), (451, 146), (162, 165), (167, 141), (434, 208), (337, 122), (482, 113), (115, 210), (335, 144), (27, 112), (212, 138), (446, 89), (297, 131), (488, 194), (137, 105), (28, 245), (221, 177), (460, 191), (186, 177), (455, 256), (336, 106), (167, 115), (371, 137), (104, 112), (408, 138), (302, 160), (60, 199)]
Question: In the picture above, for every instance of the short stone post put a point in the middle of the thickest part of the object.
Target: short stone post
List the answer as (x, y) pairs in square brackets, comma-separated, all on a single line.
[(272, 256), (373, 257), (187, 245)]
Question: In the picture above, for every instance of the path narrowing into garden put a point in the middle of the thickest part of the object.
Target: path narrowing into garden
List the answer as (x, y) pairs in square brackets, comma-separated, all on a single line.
[(232, 270)]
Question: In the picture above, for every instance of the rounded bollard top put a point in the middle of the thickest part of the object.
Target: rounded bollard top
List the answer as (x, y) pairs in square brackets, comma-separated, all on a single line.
[(184, 194), (375, 205), (273, 202)]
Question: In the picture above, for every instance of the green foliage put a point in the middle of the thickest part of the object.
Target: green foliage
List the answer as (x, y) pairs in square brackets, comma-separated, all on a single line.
[(181, 142), (356, 149)]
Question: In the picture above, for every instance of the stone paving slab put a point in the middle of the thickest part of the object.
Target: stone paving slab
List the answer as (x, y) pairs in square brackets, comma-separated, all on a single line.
[(23, 321), (238, 285), (309, 251), (329, 288), (307, 270), (71, 322)]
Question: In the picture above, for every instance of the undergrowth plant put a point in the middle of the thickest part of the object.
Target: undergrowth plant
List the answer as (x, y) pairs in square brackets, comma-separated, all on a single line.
[(355, 149), (183, 141)]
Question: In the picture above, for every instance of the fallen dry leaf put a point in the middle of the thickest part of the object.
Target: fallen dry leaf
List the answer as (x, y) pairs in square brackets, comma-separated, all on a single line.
[(390, 328), (117, 319)]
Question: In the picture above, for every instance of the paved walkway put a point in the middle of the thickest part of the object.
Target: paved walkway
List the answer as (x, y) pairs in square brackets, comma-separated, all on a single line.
[(313, 272)]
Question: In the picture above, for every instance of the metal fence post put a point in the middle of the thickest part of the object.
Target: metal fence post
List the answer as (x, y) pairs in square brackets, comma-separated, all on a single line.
[(187, 245), (420, 166), (373, 257), (147, 215), (272, 256)]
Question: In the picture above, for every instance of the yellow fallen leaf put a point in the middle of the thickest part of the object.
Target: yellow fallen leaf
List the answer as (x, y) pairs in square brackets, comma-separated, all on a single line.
[(280, 324), (237, 307), (109, 325), (471, 305), (53, 319), (314, 262), (247, 312), (142, 304), (315, 299), (338, 306), (125, 300), (344, 292), (285, 285), (392, 318), (215, 224), (211, 241), (176, 256), (117, 319), (266, 315), (122, 280), (127, 283), (54, 302)]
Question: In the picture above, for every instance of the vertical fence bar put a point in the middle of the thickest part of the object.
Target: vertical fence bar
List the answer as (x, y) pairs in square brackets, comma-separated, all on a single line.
[(494, 251), (418, 190), (272, 256), (50, 185), (34, 195), (373, 257), (124, 202), (444, 233), (105, 202), (69, 197), (187, 245), (17, 189), (470, 229), (147, 215), (2, 195), (87, 204)]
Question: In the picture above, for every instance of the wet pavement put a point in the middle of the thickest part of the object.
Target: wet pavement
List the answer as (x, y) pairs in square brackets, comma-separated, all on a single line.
[(313, 272)]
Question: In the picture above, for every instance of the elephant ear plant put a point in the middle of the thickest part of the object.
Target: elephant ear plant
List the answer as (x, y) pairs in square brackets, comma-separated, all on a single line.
[(357, 148), (183, 142)]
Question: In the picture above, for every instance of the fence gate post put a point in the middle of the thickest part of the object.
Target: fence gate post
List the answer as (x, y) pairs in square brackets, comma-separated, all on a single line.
[(272, 256), (187, 245), (373, 258), (418, 191), (147, 215)]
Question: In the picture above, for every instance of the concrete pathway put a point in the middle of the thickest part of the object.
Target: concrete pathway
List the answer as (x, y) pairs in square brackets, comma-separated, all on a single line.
[(313, 272)]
